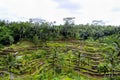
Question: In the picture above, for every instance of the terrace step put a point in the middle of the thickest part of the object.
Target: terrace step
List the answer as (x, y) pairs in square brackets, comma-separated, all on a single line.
[(95, 67), (4, 53), (8, 50), (100, 75), (96, 58), (85, 69), (32, 48), (95, 62)]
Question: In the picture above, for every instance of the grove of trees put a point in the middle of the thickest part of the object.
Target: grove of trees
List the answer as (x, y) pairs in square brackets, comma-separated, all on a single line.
[(15, 31)]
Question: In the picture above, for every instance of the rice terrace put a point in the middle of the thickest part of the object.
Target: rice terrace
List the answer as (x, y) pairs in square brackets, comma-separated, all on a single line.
[(59, 39), (31, 51)]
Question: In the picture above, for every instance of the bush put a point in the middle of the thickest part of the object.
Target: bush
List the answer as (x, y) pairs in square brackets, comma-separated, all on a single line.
[(1, 46)]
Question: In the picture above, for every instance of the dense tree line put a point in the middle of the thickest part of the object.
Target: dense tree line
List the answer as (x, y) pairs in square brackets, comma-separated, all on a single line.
[(15, 31)]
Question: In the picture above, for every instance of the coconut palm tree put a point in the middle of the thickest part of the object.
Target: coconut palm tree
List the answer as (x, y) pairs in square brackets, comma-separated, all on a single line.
[(56, 61), (77, 60), (112, 58), (10, 63), (70, 57)]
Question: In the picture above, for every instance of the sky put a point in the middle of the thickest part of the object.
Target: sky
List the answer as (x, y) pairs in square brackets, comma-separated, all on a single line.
[(84, 11)]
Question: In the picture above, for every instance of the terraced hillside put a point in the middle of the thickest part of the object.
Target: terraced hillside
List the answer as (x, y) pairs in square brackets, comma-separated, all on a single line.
[(68, 60)]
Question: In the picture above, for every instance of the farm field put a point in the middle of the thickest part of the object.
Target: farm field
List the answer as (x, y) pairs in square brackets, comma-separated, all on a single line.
[(61, 60), (30, 51)]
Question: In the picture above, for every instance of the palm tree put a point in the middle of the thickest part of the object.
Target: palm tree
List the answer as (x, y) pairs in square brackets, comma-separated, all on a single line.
[(10, 63), (70, 58), (117, 47), (77, 60), (112, 58), (56, 61)]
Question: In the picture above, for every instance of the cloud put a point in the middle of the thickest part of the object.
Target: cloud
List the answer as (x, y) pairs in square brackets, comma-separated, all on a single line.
[(68, 5), (55, 10), (116, 9)]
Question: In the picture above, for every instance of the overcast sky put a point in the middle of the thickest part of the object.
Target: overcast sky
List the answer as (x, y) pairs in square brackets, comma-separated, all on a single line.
[(55, 10)]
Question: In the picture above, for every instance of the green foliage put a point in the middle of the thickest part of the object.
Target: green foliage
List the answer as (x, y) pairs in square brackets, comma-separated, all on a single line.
[(53, 60), (16, 31), (56, 61), (1, 46), (35, 39), (102, 68), (112, 58), (90, 49), (6, 36)]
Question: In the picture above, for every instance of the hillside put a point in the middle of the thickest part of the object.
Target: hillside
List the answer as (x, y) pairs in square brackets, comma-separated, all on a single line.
[(43, 52), (72, 57)]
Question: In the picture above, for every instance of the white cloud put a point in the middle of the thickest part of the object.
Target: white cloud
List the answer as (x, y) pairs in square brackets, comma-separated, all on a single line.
[(84, 10)]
